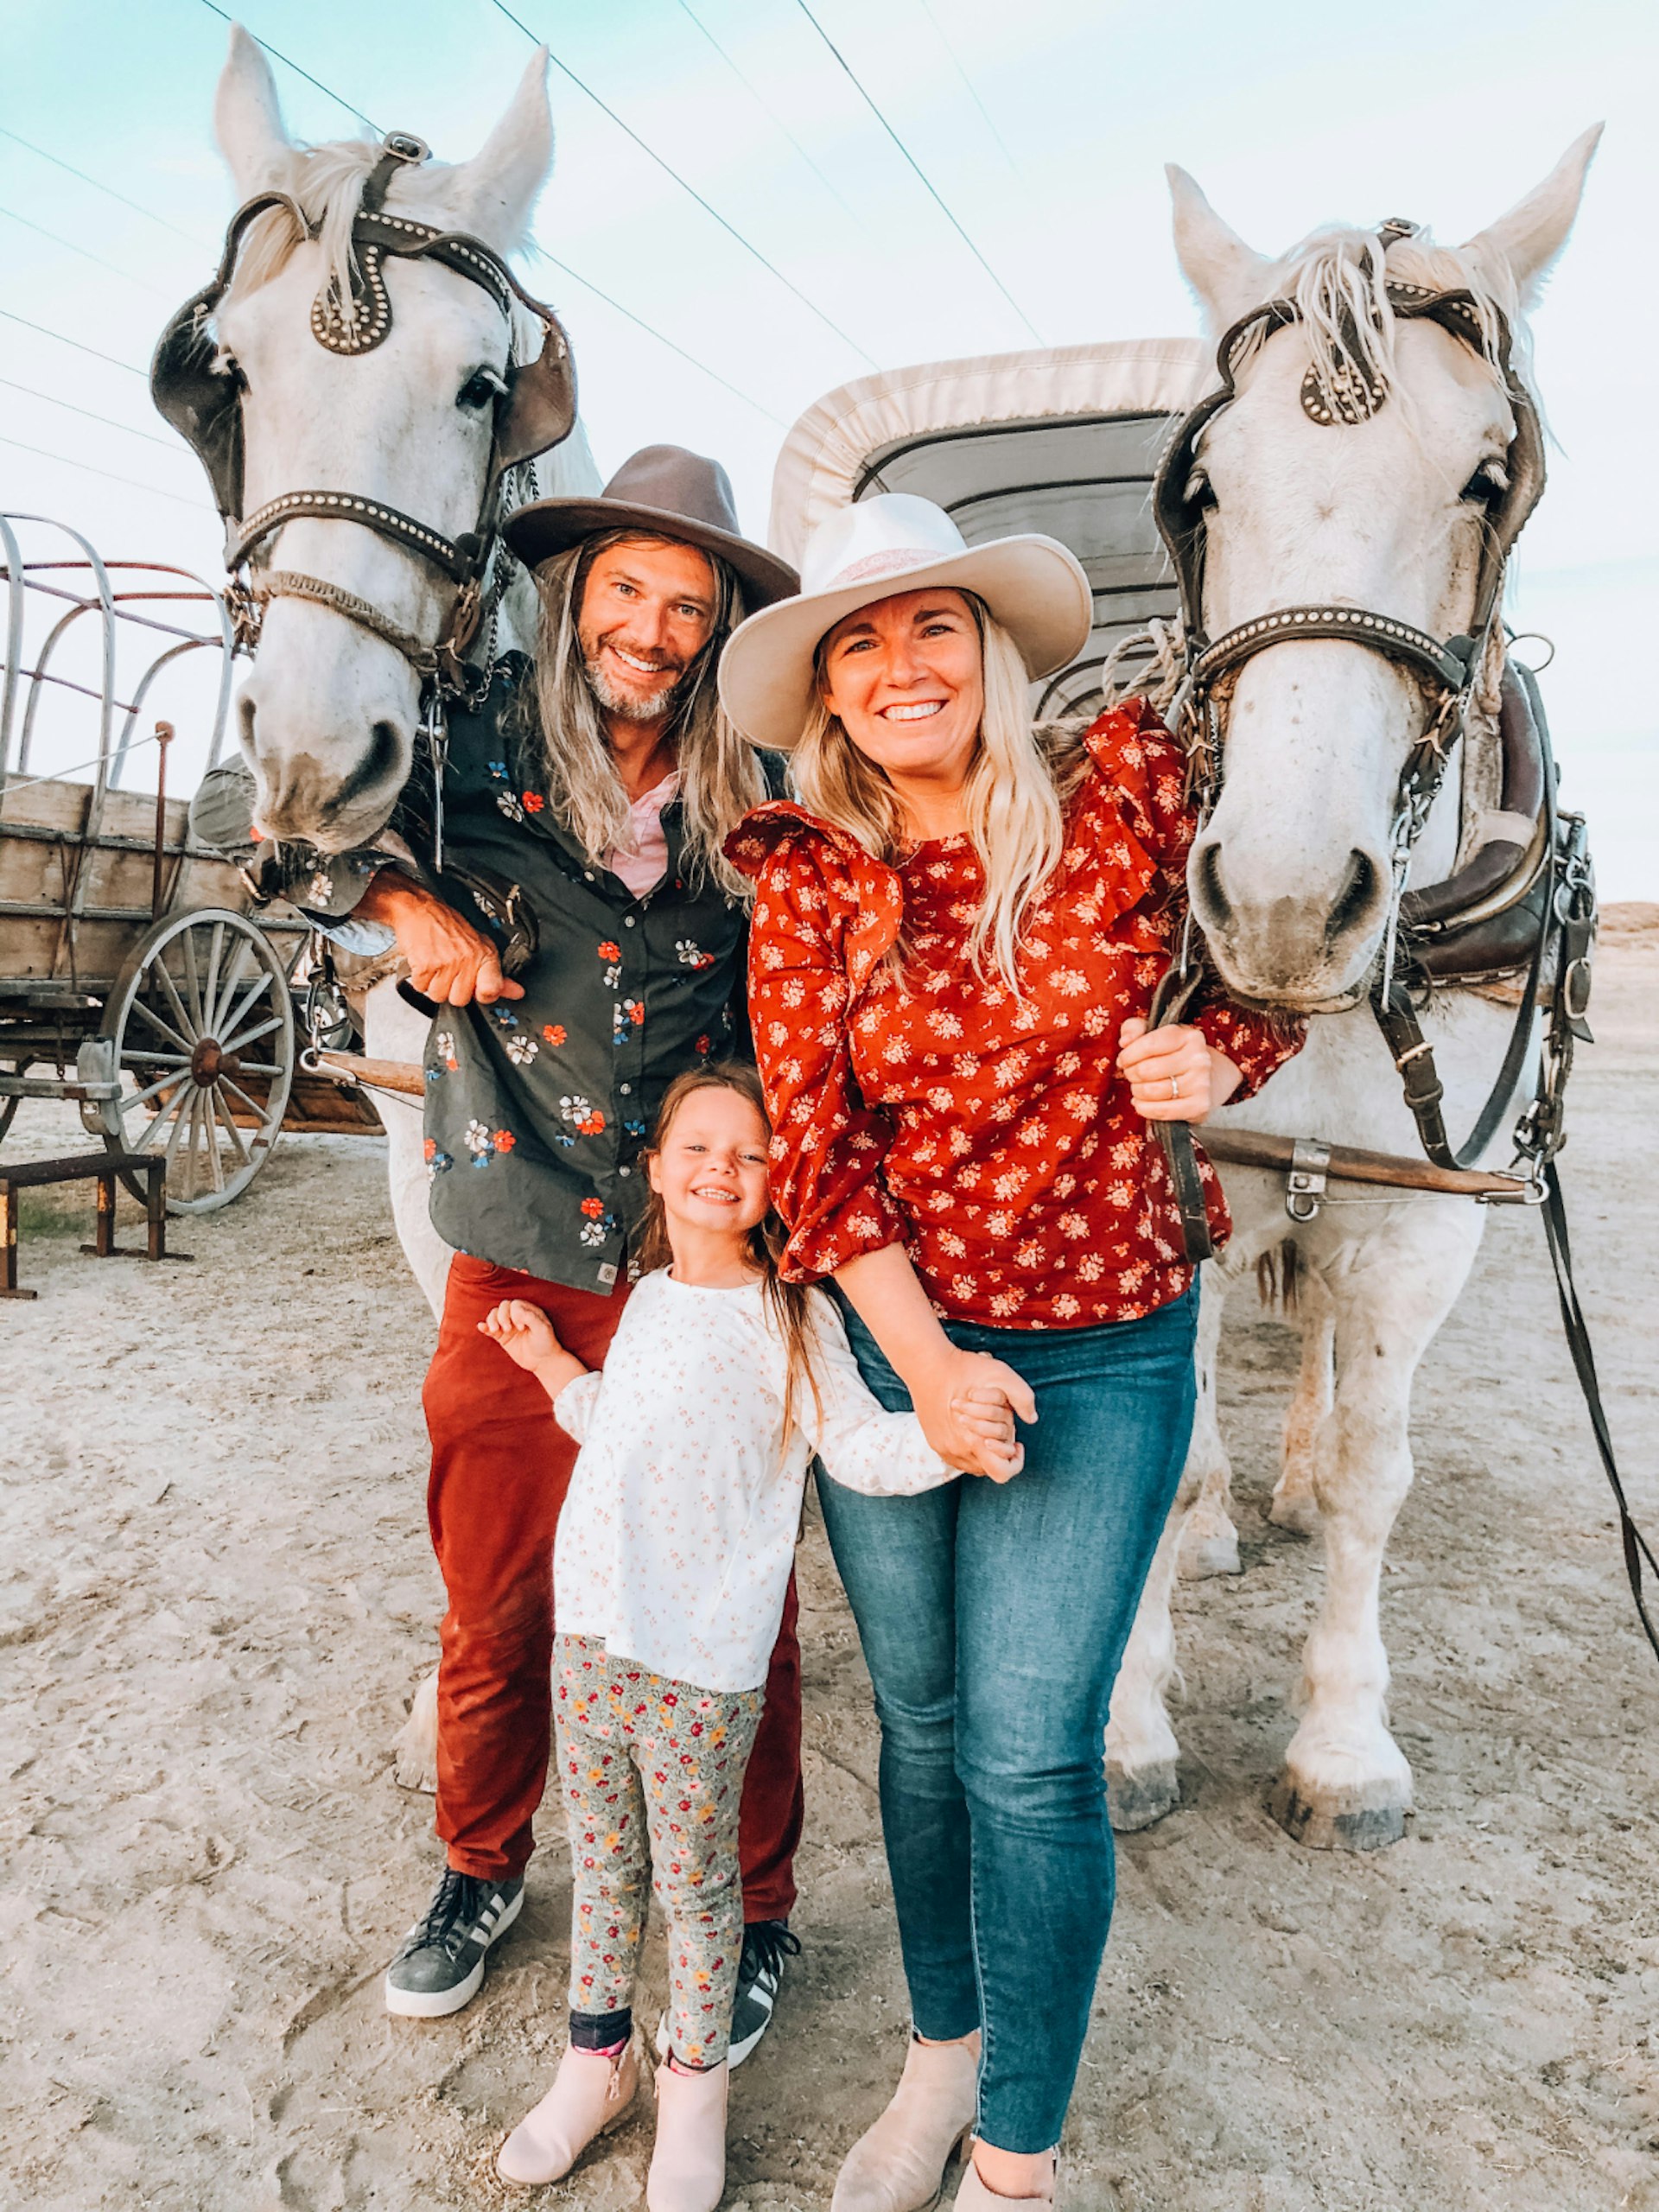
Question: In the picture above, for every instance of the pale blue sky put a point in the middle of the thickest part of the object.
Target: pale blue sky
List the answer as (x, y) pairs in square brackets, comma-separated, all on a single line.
[(1043, 126)]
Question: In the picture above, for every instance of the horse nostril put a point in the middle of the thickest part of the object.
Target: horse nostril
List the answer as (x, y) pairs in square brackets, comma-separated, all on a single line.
[(244, 719), (1355, 903), (1210, 902), (383, 762)]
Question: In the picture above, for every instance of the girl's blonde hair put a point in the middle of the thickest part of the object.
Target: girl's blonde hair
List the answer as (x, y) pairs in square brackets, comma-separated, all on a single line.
[(1014, 801), (791, 1303)]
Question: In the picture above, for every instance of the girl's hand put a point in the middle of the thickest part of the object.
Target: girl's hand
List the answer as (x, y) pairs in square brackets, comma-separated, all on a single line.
[(1172, 1073), (984, 1412), (523, 1331), (948, 1383)]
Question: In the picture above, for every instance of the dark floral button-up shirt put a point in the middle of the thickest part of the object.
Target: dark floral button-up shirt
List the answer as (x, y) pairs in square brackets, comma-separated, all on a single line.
[(537, 1108)]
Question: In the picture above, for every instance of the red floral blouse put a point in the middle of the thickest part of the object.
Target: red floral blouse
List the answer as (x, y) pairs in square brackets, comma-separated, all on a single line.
[(989, 1133)]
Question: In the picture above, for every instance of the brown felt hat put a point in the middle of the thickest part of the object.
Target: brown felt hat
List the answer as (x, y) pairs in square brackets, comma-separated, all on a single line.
[(663, 491)]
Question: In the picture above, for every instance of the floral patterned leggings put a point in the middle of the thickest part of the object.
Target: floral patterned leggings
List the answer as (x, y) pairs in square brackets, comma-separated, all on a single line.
[(652, 1770)]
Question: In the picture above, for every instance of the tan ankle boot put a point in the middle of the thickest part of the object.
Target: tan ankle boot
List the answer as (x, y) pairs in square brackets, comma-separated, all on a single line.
[(688, 2166), (899, 2165), (590, 2094), (973, 2196)]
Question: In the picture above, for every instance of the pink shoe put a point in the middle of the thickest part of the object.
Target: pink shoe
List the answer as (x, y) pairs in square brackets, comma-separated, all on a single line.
[(591, 2093), (688, 2166), (902, 2163)]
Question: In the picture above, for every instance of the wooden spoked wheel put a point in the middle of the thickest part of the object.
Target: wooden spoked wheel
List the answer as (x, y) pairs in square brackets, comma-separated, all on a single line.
[(9, 1106), (203, 1028)]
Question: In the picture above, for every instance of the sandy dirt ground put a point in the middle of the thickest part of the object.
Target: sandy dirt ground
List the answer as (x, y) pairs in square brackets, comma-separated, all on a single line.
[(216, 1597)]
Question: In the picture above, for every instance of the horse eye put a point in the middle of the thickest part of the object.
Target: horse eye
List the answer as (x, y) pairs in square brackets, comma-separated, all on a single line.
[(482, 390), (1490, 482)]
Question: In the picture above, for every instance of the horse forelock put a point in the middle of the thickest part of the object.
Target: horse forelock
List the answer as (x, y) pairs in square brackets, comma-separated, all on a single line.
[(328, 183), (1339, 284)]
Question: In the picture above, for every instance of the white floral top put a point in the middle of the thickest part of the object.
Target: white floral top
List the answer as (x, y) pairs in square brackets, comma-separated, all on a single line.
[(676, 1541)]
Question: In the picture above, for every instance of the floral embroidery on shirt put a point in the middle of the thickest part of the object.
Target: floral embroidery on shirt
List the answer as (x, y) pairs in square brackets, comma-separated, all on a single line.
[(599, 1224), (692, 954), (532, 802), (554, 1033), (988, 1133), (509, 806), (580, 1111), (479, 1143)]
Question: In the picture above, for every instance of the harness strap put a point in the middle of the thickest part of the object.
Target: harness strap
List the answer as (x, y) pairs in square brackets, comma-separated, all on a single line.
[(1446, 663), (1636, 1546), (457, 558), (1175, 992), (293, 583)]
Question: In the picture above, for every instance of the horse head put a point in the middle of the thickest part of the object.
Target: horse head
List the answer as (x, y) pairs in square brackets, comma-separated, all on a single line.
[(405, 416), (1365, 462)]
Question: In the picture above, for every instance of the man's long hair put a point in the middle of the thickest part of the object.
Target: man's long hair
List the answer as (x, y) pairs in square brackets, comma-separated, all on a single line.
[(561, 728)]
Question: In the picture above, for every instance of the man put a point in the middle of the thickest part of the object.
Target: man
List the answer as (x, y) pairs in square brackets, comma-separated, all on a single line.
[(584, 809)]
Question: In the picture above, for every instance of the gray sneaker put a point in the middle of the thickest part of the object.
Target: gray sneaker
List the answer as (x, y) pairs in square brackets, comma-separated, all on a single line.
[(441, 1966), (766, 1944)]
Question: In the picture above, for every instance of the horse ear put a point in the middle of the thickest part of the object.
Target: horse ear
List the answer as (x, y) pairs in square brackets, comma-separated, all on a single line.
[(1527, 241), (248, 119), (1228, 276), (496, 191)]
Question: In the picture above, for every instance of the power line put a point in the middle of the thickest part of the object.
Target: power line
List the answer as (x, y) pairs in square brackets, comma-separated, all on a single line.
[(712, 374), (168, 445), (288, 63), (66, 460), (708, 208), (586, 283), (44, 332), (940, 33), (98, 185), (766, 109), (70, 246), (915, 165)]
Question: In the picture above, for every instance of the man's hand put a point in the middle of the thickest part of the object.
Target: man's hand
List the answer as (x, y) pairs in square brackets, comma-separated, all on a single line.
[(1173, 1074), (448, 959)]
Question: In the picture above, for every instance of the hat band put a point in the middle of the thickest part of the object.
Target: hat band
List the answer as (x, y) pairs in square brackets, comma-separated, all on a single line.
[(890, 563)]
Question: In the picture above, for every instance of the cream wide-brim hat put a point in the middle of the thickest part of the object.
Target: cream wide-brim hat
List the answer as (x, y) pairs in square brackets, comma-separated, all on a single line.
[(1034, 585)]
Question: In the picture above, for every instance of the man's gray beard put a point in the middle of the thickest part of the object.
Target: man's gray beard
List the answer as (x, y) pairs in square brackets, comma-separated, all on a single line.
[(628, 706)]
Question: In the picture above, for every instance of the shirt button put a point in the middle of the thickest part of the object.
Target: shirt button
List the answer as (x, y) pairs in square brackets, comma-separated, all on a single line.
[(587, 875), (627, 921), (625, 1088), (623, 1171)]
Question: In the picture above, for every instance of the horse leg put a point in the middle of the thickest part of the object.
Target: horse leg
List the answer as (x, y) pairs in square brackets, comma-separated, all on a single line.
[(1295, 1504), (1210, 1543), (393, 1030), (417, 1740), (1346, 1784), (1142, 1778)]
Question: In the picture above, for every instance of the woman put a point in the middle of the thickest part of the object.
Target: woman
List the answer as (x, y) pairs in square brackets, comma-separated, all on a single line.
[(955, 943)]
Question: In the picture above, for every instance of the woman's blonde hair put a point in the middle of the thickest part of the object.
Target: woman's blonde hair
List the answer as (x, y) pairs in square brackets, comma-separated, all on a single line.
[(1014, 801), (791, 1303)]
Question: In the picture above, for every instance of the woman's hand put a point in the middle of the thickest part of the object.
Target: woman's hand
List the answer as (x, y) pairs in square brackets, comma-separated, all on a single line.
[(448, 961), (955, 1401), (1173, 1073)]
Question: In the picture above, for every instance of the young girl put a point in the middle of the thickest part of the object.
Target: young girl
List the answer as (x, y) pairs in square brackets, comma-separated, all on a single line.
[(670, 1572)]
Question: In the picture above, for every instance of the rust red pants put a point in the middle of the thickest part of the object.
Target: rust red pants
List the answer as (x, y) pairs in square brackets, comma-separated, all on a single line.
[(500, 1468)]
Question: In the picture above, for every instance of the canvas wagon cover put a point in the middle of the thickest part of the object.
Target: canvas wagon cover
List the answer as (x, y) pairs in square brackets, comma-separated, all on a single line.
[(1065, 440)]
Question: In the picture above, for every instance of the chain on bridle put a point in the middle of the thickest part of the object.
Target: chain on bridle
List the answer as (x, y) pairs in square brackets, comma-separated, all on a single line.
[(535, 409)]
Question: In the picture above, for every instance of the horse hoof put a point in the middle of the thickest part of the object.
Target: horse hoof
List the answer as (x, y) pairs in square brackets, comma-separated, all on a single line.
[(1342, 1821), (1298, 1513), (1216, 1553), (1136, 1800)]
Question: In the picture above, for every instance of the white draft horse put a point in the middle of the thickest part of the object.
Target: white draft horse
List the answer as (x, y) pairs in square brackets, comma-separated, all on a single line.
[(1290, 879)]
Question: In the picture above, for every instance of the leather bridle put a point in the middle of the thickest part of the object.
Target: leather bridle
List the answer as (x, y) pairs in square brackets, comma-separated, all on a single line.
[(200, 395)]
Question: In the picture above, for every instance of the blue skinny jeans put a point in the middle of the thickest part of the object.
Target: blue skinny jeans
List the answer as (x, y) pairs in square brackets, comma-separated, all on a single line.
[(993, 1619)]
